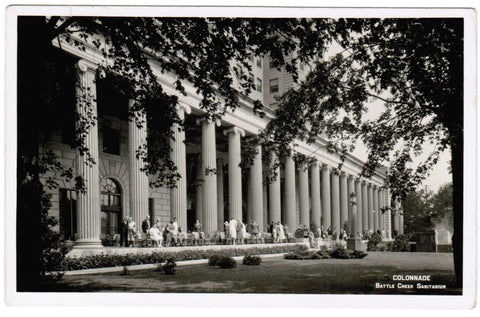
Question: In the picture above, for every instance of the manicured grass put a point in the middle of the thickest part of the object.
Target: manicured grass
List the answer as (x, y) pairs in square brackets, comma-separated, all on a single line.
[(278, 275)]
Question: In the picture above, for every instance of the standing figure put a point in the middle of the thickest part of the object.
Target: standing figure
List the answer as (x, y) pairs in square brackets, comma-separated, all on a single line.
[(241, 230), (198, 234), (146, 224), (124, 232), (281, 233), (275, 233), (132, 227), (226, 229), (232, 229), (255, 230), (168, 234)]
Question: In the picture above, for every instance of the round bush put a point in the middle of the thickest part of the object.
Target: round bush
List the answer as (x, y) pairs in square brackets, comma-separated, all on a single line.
[(214, 260), (227, 263), (252, 260)]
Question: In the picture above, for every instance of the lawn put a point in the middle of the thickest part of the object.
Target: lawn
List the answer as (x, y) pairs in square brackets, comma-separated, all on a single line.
[(278, 275)]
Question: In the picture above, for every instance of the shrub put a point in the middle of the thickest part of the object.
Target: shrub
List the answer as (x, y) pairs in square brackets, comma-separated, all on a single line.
[(252, 260), (340, 253), (400, 244), (299, 233), (169, 267), (125, 271), (357, 254), (214, 260), (227, 262), (373, 240)]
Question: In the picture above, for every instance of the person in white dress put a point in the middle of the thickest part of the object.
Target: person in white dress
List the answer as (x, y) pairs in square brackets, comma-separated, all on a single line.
[(232, 229), (242, 232), (281, 233)]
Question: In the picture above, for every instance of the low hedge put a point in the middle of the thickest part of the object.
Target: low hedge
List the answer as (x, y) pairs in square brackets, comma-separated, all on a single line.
[(338, 253), (111, 260)]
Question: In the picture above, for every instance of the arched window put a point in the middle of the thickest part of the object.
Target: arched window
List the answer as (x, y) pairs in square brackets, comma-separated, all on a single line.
[(111, 201)]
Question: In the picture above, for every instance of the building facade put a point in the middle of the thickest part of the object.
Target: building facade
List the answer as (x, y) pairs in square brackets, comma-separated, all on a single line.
[(213, 187)]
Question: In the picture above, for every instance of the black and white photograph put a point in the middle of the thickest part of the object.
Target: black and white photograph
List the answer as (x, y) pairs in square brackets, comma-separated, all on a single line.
[(179, 151)]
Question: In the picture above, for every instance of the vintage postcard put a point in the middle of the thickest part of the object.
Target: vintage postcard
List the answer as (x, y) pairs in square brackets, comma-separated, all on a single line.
[(288, 156)]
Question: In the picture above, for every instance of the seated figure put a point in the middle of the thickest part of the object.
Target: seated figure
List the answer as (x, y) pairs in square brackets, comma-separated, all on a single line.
[(155, 236)]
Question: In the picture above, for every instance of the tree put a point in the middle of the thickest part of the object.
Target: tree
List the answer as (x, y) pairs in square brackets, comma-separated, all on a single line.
[(442, 205), (425, 210), (413, 65), (416, 212)]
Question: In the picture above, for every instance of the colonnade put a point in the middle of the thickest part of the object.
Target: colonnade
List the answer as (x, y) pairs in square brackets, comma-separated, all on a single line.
[(324, 193)]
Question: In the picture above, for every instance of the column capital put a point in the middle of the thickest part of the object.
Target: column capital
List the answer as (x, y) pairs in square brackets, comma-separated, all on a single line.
[(315, 163), (326, 167), (83, 65), (183, 107), (208, 120), (235, 130)]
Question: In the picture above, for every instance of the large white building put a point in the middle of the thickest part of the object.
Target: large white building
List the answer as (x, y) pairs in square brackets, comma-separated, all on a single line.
[(116, 187)]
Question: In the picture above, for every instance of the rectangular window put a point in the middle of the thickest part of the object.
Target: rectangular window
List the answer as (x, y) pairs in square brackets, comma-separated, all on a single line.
[(68, 213), (259, 63), (259, 85), (271, 64), (274, 85), (111, 140)]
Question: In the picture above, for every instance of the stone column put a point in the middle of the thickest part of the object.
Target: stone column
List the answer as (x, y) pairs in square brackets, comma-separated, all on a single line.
[(335, 201), (265, 207), (388, 215), (370, 207), (358, 192), (290, 199), (326, 206), (178, 195), (315, 193), (199, 189), (381, 206), (220, 202), (209, 158), (376, 215), (352, 218), (400, 221), (274, 191), (303, 201), (365, 210), (344, 201), (88, 202), (256, 189), (234, 171)]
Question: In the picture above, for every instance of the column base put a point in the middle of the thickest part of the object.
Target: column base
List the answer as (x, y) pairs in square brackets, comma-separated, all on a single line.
[(356, 244), (88, 244)]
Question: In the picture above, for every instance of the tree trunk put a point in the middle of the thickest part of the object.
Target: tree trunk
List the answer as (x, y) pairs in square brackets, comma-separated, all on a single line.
[(457, 238)]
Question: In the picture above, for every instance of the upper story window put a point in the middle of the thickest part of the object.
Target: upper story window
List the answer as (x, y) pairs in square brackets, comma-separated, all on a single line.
[(271, 65), (111, 140), (274, 85), (258, 85), (259, 62)]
